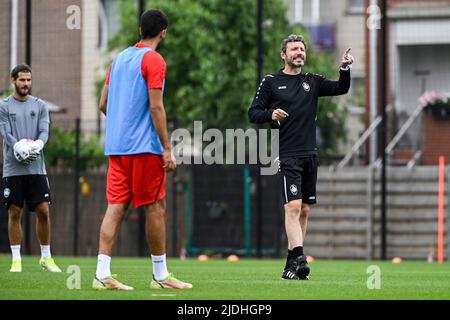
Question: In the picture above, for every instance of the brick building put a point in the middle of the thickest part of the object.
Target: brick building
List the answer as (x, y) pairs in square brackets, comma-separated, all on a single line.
[(67, 55), (418, 60)]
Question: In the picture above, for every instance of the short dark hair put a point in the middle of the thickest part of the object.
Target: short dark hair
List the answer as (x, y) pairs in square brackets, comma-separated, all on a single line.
[(152, 23), (20, 68), (292, 38)]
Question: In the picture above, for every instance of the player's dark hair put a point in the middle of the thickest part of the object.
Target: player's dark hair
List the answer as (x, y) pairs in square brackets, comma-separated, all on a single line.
[(152, 23), (292, 38), (20, 68)]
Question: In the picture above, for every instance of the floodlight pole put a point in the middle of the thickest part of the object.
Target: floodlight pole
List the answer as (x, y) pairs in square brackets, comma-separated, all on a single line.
[(76, 189), (259, 71), (141, 6), (383, 100), (27, 61), (141, 210), (28, 33)]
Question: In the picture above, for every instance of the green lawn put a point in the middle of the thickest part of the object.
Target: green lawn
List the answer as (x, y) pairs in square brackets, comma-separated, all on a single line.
[(222, 280)]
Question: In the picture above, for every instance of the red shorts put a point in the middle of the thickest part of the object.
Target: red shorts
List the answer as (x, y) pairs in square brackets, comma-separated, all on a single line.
[(139, 178)]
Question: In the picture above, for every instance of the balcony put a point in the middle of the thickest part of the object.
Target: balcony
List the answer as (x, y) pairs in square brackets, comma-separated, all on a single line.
[(323, 36)]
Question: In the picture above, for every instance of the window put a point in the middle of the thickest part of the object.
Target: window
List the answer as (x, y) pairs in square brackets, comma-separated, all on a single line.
[(109, 23), (316, 16), (307, 11)]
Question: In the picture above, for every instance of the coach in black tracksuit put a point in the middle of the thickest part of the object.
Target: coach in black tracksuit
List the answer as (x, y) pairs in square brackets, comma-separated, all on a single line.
[(288, 100)]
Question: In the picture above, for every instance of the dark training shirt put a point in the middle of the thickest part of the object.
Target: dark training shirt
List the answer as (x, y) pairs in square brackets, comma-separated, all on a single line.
[(297, 95)]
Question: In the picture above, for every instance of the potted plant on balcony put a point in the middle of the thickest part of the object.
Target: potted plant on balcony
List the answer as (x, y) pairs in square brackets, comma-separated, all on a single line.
[(436, 128), (436, 104)]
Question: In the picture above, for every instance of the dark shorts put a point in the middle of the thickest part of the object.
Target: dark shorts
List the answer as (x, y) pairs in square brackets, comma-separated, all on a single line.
[(298, 177), (33, 189)]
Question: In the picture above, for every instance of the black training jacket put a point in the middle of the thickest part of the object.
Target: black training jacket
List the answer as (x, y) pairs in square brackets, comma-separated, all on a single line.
[(297, 95)]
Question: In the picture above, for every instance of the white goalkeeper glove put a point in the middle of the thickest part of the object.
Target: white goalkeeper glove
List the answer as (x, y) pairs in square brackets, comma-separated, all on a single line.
[(33, 156), (35, 149), (21, 150), (26, 152), (37, 146)]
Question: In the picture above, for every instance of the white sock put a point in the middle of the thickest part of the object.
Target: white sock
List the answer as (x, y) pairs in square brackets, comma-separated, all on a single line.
[(159, 267), (45, 252), (16, 252), (103, 266)]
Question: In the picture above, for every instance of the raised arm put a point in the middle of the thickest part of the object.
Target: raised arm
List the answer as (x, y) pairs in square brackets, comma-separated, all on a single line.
[(335, 88)]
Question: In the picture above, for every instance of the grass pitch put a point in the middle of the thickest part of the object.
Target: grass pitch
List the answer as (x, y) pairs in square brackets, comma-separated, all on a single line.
[(247, 279)]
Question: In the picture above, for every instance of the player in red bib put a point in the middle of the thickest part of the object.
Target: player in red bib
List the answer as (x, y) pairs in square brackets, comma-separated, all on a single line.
[(138, 147)]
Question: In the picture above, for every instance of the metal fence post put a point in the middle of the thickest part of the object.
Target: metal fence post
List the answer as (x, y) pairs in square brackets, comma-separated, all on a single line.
[(370, 211), (76, 191)]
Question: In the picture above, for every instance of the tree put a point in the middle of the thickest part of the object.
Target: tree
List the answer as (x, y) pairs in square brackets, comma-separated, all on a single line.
[(60, 149), (210, 50)]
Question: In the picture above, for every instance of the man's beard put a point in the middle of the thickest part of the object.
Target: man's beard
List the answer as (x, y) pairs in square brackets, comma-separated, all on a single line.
[(292, 64), (22, 92)]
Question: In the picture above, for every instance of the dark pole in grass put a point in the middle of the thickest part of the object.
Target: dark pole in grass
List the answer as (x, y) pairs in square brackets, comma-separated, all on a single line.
[(172, 126), (174, 214), (27, 61), (141, 5), (28, 33), (141, 210), (383, 100), (259, 71), (76, 192)]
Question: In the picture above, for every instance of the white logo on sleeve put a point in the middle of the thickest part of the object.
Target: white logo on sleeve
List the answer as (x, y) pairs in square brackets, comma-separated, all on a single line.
[(306, 86), (6, 192), (281, 87), (293, 189)]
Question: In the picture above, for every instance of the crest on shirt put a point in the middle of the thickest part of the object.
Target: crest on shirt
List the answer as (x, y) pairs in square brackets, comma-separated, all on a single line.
[(306, 86), (6, 192), (32, 113)]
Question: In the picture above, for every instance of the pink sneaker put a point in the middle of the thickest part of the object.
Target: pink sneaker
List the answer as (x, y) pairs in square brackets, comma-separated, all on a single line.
[(169, 283), (109, 283)]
